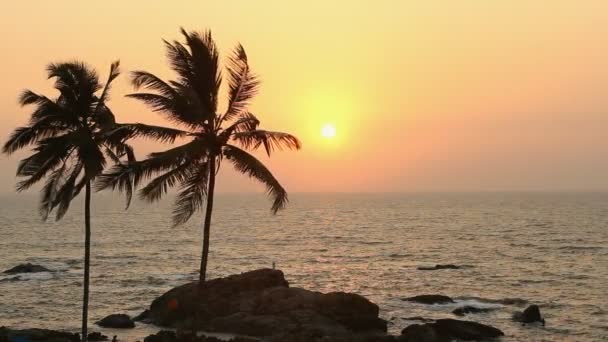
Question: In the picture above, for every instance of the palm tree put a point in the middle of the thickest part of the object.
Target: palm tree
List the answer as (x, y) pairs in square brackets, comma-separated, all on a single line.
[(72, 135), (212, 137)]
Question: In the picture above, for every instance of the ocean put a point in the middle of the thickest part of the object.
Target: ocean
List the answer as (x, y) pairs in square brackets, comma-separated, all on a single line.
[(549, 249)]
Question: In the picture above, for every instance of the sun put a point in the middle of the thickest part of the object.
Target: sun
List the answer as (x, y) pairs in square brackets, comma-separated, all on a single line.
[(328, 131)]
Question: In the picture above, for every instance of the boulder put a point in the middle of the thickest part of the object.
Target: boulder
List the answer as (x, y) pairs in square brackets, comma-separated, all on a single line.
[(96, 336), (445, 330), (10, 335), (27, 268), (530, 315), (429, 299), (439, 267), (261, 303), (118, 321), (463, 310)]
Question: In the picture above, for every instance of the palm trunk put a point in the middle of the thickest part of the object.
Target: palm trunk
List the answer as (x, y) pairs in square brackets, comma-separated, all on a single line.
[(207, 226), (87, 257)]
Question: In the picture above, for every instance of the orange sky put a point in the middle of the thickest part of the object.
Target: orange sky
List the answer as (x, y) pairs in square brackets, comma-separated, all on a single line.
[(426, 95)]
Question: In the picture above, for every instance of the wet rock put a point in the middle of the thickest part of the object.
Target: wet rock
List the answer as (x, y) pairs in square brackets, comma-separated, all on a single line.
[(463, 310), (162, 336), (445, 330), (418, 318), (96, 336), (429, 299), (118, 321), (171, 336), (27, 268), (10, 335), (143, 317), (530, 315), (261, 303), (439, 267)]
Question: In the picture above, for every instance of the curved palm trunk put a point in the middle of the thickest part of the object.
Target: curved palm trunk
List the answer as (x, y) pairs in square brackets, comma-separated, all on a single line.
[(87, 257), (207, 226)]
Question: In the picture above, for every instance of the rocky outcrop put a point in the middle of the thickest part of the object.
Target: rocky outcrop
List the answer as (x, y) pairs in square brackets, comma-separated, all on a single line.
[(468, 309), (10, 335), (96, 336), (439, 267), (118, 321), (261, 303), (429, 299), (445, 330), (27, 268), (530, 315), (171, 336)]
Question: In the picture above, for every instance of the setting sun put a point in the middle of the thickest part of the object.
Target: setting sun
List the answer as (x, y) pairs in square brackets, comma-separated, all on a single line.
[(328, 131)]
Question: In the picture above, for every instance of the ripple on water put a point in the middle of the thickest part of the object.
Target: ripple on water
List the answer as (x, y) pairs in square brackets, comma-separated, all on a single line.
[(525, 247)]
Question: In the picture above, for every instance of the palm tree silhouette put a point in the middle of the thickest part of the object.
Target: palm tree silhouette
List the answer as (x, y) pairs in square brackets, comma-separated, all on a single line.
[(191, 103), (72, 135)]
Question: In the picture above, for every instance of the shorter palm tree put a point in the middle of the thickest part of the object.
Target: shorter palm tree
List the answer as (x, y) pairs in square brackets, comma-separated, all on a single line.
[(191, 103), (73, 136)]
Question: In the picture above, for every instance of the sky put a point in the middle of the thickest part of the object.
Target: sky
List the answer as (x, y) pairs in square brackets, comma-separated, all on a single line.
[(424, 95)]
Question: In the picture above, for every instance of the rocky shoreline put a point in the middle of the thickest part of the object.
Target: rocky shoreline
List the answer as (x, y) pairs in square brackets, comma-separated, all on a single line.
[(262, 306)]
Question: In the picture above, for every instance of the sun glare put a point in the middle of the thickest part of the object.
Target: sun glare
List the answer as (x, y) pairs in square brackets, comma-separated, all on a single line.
[(328, 131)]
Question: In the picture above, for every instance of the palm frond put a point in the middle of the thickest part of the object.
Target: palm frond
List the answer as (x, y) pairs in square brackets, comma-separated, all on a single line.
[(270, 140), (138, 130), (66, 193), (177, 109), (76, 82), (29, 135), (192, 195), (161, 184), (146, 80), (28, 97), (49, 191), (180, 61), (204, 62), (244, 123), (243, 83), (252, 167), (121, 175), (48, 155), (114, 72)]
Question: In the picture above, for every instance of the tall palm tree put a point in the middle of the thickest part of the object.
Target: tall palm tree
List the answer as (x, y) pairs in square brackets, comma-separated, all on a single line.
[(190, 102), (72, 136)]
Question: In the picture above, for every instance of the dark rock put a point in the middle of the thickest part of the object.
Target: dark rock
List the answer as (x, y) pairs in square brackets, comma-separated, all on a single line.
[(170, 336), (96, 336), (439, 267), (530, 315), (463, 310), (311, 336), (119, 321), (420, 333), (27, 268), (10, 335), (252, 325), (261, 303), (430, 299), (143, 317), (444, 330), (418, 318)]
